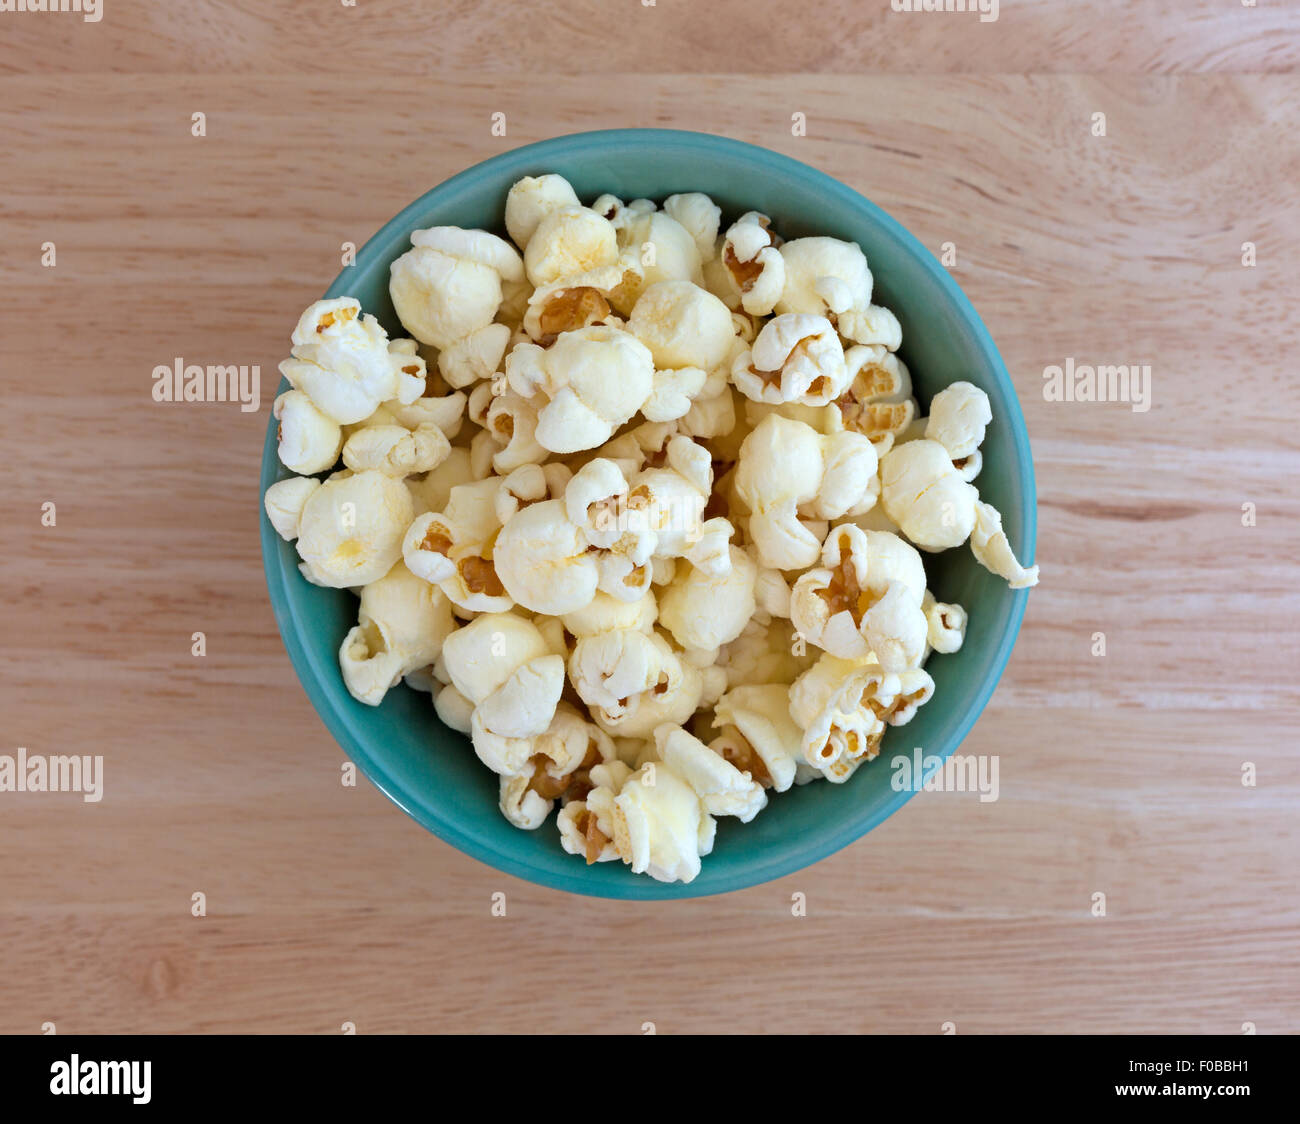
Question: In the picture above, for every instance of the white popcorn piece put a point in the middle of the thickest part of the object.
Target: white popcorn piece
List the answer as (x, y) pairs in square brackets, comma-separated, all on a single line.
[(402, 625), (595, 499), (530, 200), (758, 736), (582, 301), (925, 495), (591, 381), (351, 527), (453, 549), (447, 412), (613, 668), (703, 610), (796, 358), (877, 401), (722, 789), (448, 285), (307, 440), (865, 600), (660, 826), (527, 484), (988, 542), (395, 450), (432, 491), (872, 325), (342, 362), (674, 393), (659, 249), (699, 215), (284, 501), (512, 421), (790, 475), (710, 417), (607, 614), (521, 804), (945, 624), (454, 709), (620, 213), (671, 492), (959, 415), (568, 241), (683, 326), (502, 664), (755, 264), (475, 357), (587, 824), (673, 698), (542, 560), (824, 276), (831, 704), (559, 768)]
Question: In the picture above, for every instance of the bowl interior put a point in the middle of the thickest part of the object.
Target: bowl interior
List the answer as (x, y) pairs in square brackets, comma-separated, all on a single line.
[(430, 771)]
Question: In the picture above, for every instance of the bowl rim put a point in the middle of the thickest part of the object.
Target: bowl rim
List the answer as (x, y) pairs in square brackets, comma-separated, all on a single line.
[(312, 672)]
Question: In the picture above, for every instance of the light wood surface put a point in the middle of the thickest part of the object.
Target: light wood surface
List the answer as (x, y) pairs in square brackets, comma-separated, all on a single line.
[(326, 905)]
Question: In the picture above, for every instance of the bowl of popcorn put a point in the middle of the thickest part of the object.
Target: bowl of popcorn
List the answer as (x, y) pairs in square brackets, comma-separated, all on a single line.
[(635, 502)]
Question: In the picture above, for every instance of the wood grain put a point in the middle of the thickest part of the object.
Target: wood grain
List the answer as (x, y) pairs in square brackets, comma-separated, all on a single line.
[(1120, 774)]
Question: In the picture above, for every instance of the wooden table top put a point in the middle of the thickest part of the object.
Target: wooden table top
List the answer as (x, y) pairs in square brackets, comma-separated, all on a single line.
[(325, 905)]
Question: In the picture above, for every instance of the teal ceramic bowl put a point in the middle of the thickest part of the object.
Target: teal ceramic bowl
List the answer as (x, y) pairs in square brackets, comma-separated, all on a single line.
[(431, 772)]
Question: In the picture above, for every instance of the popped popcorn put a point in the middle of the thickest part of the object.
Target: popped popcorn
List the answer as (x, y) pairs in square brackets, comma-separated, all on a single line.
[(589, 382), (638, 500)]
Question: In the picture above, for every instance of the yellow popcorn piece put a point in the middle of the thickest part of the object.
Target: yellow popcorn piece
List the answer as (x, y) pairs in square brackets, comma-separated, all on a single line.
[(704, 610), (795, 358), (342, 362), (307, 440), (530, 200), (284, 501), (758, 736), (824, 275), (590, 382), (699, 215), (541, 558), (448, 285), (925, 495), (790, 476), (395, 450), (959, 415), (568, 241), (988, 542), (865, 600), (401, 626), (722, 789), (351, 528), (754, 264)]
